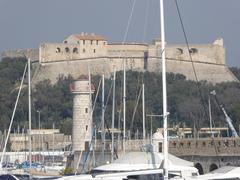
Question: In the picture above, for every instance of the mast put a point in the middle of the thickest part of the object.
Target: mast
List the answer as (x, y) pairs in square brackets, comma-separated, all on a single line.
[(113, 113), (210, 116), (103, 123), (11, 122), (143, 111), (53, 150), (124, 105), (39, 127), (29, 114), (165, 113)]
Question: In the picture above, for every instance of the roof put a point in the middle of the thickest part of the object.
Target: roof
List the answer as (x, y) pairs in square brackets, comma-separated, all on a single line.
[(143, 160), (92, 36)]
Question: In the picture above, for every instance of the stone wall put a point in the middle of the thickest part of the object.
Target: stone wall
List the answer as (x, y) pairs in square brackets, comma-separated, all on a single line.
[(78, 53)]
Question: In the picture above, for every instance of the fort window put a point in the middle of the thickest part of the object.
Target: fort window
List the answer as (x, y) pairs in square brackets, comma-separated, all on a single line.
[(86, 110), (67, 50), (213, 167), (78, 42), (86, 127), (91, 42), (180, 51), (84, 50), (65, 42), (83, 42), (75, 50), (193, 51), (104, 43), (200, 168), (97, 42), (94, 50), (58, 50)]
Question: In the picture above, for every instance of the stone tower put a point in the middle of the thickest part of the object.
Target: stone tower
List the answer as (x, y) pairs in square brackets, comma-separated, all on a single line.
[(82, 113)]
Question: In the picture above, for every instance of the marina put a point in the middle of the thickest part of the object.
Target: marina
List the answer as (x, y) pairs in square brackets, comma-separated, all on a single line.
[(113, 110)]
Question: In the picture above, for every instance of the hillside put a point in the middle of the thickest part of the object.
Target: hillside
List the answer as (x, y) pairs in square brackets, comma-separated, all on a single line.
[(55, 101)]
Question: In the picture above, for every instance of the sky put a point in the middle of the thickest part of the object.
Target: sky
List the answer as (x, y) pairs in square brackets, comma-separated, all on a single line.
[(27, 23)]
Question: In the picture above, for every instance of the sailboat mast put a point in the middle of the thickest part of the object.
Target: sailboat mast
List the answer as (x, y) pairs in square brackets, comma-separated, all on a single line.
[(29, 114), (124, 104), (143, 111), (113, 113), (165, 113), (210, 116), (53, 150), (103, 111), (11, 122)]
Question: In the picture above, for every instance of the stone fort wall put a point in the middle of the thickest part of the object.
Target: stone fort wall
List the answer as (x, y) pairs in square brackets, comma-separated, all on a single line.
[(79, 52)]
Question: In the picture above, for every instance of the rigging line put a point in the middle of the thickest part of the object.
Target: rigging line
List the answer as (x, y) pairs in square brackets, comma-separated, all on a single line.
[(146, 21), (135, 108), (193, 66), (125, 38), (129, 22), (109, 93), (198, 85), (95, 100)]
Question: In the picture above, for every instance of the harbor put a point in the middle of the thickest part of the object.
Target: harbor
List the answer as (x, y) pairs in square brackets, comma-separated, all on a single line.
[(140, 108)]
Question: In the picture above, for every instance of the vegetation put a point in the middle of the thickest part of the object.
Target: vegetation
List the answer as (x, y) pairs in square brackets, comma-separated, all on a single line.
[(53, 102)]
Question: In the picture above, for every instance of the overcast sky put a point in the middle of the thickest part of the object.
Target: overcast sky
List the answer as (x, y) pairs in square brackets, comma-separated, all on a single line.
[(27, 23)]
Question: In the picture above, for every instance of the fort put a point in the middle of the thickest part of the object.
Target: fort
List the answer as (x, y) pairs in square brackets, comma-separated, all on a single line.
[(80, 52)]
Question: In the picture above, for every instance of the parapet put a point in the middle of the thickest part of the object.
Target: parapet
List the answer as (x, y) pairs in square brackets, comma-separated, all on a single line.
[(218, 42)]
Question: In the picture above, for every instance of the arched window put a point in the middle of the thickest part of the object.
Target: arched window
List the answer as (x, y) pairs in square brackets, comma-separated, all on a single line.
[(94, 50), (180, 51), (213, 167), (67, 50), (65, 42), (75, 50), (58, 50), (200, 168), (193, 51), (84, 50)]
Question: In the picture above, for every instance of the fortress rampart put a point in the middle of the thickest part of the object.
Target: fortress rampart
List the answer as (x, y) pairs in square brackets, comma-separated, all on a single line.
[(79, 52)]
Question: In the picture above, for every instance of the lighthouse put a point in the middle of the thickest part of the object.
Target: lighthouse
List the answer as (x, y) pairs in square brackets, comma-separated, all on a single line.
[(82, 113)]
